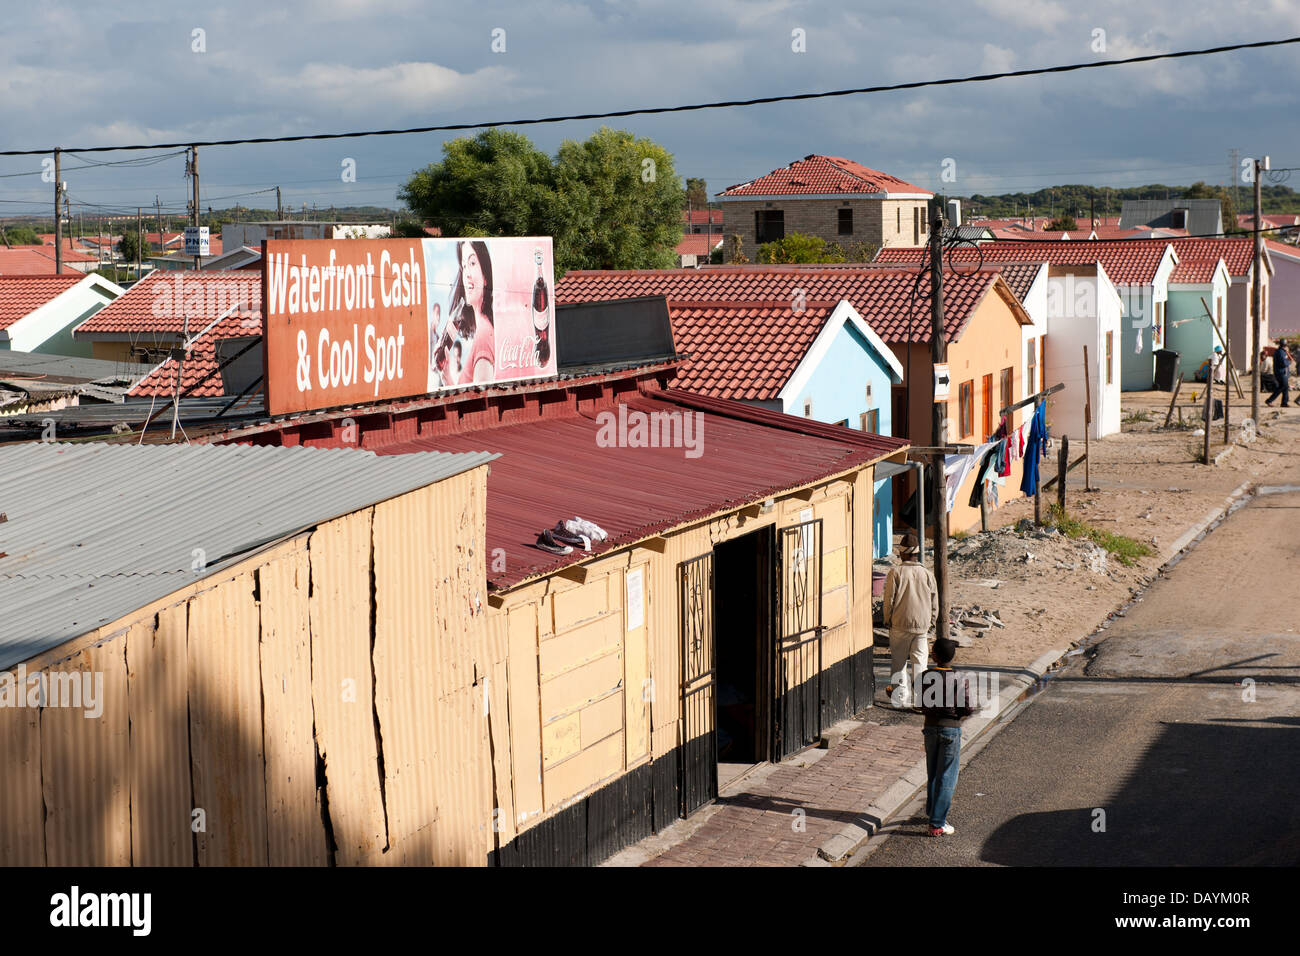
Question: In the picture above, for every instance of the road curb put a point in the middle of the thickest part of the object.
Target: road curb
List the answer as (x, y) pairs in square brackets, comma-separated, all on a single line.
[(838, 847), (1197, 529)]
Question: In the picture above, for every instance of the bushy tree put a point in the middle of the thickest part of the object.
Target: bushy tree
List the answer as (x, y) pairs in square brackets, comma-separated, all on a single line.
[(129, 243), (1063, 223), (611, 201), (797, 247), (21, 236)]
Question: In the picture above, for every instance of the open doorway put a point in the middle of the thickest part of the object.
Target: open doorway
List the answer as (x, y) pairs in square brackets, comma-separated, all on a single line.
[(743, 598)]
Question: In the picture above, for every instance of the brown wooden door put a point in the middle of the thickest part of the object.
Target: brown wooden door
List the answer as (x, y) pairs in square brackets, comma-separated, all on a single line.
[(988, 407)]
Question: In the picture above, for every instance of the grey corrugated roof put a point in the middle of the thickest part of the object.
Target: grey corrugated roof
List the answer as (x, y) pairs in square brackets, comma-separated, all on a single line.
[(1204, 216), (93, 532)]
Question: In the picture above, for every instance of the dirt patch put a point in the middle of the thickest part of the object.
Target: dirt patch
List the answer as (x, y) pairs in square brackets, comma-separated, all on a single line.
[(1148, 485)]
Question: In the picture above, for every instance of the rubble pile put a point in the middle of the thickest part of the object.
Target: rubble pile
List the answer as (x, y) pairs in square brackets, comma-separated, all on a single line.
[(1026, 549), (967, 621)]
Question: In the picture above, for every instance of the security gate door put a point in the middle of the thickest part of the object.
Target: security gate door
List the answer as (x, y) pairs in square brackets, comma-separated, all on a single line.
[(699, 753), (796, 716)]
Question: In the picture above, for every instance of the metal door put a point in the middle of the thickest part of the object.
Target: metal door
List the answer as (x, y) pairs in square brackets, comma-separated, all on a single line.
[(699, 741), (797, 714)]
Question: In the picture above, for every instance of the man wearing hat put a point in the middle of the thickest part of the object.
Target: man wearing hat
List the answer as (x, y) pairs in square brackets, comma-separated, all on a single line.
[(911, 608)]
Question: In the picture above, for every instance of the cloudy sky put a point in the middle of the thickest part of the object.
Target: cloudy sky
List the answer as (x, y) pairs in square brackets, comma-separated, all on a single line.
[(139, 73)]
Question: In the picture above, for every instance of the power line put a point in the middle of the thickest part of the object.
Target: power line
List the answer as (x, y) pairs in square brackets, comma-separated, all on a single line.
[(647, 111)]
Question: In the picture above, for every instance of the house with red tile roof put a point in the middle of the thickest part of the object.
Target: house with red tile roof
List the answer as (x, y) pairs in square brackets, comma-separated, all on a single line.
[(695, 249), (1196, 320), (38, 312), (830, 197), (164, 311), (1238, 254), (1284, 289), (1139, 270), (40, 261), (983, 323)]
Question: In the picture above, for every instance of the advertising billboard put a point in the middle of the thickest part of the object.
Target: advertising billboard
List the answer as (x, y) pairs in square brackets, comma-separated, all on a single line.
[(350, 321)]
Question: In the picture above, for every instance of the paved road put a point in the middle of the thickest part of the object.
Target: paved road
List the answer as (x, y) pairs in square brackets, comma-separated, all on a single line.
[(1183, 727)]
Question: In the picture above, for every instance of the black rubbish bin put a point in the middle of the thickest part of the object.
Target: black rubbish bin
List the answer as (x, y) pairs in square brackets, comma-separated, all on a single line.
[(1166, 369)]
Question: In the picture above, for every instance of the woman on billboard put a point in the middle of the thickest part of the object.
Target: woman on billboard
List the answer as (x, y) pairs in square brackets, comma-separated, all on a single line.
[(473, 315)]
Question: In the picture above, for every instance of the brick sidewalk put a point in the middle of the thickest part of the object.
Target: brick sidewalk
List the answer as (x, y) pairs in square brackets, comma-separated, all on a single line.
[(755, 825)]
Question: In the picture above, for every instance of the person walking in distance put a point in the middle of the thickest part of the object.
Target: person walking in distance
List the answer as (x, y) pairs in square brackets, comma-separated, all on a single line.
[(910, 609), (946, 700), (1282, 374)]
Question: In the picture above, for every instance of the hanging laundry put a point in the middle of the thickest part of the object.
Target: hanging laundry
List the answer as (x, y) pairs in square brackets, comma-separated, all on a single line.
[(986, 472), (956, 468), (1034, 449)]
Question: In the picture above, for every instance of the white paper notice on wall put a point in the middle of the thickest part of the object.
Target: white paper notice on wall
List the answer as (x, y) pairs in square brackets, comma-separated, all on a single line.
[(1139, 342), (635, 600)]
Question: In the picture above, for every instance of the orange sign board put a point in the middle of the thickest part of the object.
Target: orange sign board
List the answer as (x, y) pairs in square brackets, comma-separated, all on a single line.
[(352, 321)]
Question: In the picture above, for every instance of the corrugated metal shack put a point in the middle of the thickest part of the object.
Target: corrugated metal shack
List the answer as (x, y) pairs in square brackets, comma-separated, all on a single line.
[(725, 621), (231, 656)]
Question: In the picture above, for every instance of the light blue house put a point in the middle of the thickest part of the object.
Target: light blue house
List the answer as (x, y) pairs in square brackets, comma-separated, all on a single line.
[(817, 360), (1197, 285)]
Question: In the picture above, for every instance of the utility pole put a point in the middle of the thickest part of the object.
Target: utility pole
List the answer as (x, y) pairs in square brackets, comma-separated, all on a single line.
[(58, 223), (1256, 299), (279, 209), (139, 242), (939, 425), (194, 214), (162, 236)]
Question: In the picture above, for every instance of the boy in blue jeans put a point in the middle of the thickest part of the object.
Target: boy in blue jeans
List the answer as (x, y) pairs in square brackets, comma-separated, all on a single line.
[(946, 700)]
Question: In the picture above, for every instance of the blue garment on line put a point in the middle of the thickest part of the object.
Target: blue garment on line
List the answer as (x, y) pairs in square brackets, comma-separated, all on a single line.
[(1034, 449)]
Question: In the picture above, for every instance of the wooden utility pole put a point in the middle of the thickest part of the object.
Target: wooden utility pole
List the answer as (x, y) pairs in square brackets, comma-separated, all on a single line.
[(939, 424), (1227, 387), (139, 242), (58, 222), (194, 214), (1256, 301), (279, 209), (1087, 421), (1209, 399)]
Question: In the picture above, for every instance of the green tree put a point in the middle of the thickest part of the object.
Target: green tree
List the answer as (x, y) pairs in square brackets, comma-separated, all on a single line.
[(408, 229), (624, 199), (609, 202), (129, 243), (495, 184), (20, 236), (1062, 223), (797, 247), (696, 193)]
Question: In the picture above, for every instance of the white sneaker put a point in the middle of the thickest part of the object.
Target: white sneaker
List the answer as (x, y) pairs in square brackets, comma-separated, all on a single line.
[(949, 829)]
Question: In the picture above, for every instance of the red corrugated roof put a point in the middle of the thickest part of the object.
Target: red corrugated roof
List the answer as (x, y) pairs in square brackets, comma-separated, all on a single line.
[(22, 295), (883, 297), (819, 175), (555, 468), (1126, 262), (162, 301)]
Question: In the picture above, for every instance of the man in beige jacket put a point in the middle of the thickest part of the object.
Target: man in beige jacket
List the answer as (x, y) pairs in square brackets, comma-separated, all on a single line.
[(911, 608)]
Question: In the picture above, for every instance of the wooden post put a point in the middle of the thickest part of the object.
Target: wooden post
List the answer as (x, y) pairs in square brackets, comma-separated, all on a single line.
[(1173, 399), (984, 509), (1209, 398), (1062, 466), (1087, 421), (939, 422), (1227, 387)]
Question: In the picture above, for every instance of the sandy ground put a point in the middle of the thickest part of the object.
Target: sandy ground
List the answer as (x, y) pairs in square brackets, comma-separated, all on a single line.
[(1149, 486)]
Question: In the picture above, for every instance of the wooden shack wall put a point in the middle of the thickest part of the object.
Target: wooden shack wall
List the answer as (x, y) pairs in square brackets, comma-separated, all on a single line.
[(586, 755), (325, 701)]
